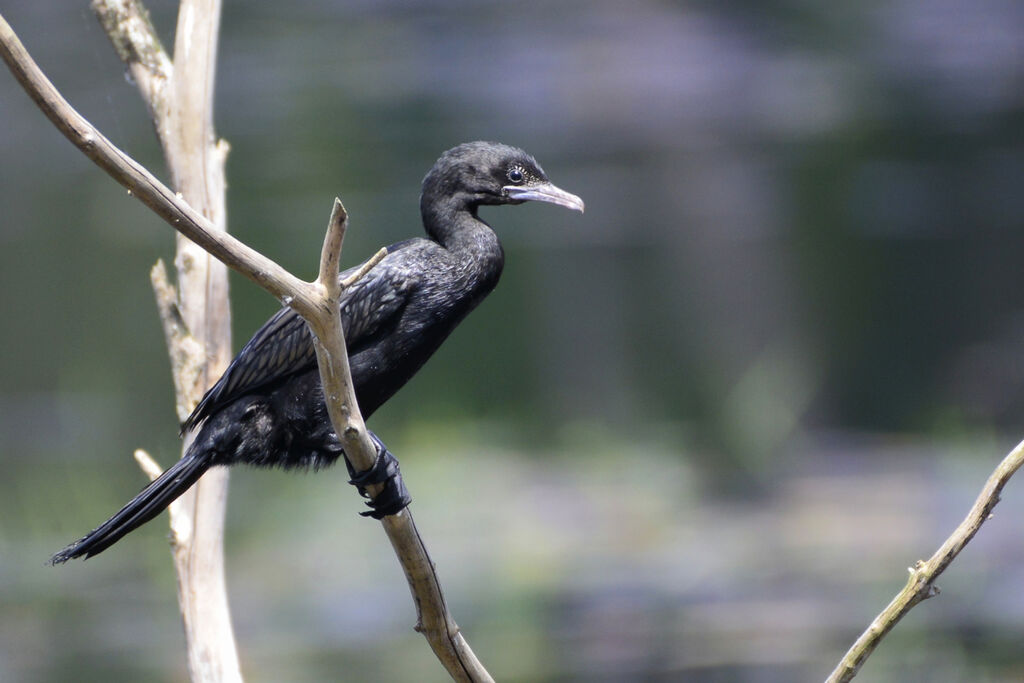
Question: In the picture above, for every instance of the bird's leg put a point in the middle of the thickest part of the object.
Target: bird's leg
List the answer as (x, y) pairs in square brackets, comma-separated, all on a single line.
[(394, 497)]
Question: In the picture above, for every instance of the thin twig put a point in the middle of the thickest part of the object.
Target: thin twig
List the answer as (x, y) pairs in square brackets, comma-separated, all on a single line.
[(305, 298), (365, 268), (152, 470), (921, 584), (147, 464)]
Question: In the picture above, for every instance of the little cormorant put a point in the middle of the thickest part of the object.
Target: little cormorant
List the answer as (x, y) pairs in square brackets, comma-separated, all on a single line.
[(268, 408)]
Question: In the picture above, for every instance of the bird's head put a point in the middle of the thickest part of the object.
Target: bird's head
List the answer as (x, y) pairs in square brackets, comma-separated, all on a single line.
[(476, 173)]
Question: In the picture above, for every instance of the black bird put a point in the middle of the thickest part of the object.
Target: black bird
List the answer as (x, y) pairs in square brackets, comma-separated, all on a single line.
[(268, 408)]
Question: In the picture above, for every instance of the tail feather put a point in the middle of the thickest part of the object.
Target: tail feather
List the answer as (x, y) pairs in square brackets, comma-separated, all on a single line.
[(148, 504)]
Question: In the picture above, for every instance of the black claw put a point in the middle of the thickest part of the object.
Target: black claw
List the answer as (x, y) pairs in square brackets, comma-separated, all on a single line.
[(394, 497)]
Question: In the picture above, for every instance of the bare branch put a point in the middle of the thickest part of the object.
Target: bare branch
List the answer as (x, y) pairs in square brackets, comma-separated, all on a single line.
[(180, 102), (330, 255), (188, 355), (181, 523), (434, 621), (308, 299), (331, 355), (921, 584), (147, 464), (137, 44), (365, 268), (137, 180)]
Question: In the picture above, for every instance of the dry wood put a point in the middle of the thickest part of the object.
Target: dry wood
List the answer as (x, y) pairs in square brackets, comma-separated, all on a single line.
[(921, 584)]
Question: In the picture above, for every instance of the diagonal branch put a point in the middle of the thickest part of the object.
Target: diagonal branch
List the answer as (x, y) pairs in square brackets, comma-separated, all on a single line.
[(140, 182), (308, 299), (921, 584)]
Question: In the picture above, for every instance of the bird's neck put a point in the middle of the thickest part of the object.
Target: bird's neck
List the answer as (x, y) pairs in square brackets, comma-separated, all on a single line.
[(456, 227)]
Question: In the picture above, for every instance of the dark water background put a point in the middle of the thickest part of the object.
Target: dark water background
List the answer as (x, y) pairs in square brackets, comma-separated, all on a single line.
[(696, 434)]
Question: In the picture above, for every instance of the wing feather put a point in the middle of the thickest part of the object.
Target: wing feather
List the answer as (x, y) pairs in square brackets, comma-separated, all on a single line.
[(283, 346)]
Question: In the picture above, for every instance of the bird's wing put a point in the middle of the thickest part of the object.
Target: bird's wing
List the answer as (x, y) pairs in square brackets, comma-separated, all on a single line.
[(283, 346)]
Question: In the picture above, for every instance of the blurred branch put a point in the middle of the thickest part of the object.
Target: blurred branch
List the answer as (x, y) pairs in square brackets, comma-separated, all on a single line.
[(188, 357), (316, 302), (196, 317), (153, 471), (127, 24), (920, 586)]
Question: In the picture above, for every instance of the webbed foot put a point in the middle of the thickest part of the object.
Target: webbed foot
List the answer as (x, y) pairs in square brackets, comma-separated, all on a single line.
[(394, 497)]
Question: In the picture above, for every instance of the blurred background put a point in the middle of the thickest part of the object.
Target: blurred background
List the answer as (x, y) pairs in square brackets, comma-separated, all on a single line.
[(697, 433)]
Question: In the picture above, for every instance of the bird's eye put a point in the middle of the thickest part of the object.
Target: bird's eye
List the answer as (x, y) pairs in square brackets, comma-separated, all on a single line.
[(515, 174)]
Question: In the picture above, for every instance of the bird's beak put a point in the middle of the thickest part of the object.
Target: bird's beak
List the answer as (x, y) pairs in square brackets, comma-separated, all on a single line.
[(544, 192)]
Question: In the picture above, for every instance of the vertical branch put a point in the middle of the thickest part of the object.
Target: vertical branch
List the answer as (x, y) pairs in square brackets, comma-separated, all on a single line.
[(135, 40), (196, 164), (179, 96), (333, 362)]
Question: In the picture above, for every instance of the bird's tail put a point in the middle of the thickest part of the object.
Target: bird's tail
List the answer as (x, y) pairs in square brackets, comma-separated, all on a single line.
[(150, 502)]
